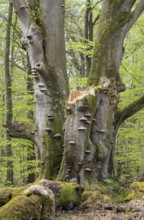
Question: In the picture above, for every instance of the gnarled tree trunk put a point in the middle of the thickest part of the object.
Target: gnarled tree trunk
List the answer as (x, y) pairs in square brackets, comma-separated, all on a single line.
[(92, 118)]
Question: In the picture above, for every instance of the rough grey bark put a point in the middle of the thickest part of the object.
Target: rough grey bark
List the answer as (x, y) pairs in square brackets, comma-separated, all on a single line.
[(115, 20), (79, 150), (102, 131)]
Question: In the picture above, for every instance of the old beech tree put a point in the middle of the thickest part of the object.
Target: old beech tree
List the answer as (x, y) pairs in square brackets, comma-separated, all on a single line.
[(76, 136)]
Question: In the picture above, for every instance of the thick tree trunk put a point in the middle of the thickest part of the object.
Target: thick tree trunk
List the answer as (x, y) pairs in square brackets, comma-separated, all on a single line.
[(102, 132), (115, 20), (89, 133), (79, 150), (44, 41), (98, 137), (106, 61)]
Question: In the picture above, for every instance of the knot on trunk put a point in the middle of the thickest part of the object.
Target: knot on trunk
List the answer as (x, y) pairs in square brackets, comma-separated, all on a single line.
[(108, 86)]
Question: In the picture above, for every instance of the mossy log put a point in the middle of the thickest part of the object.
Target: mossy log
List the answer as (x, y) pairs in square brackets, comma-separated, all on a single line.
[(38, 200)]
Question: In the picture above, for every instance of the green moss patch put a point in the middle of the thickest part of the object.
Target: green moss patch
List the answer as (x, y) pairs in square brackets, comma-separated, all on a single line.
[(108, 191), (137, 191), (38, 204), (5, 196), (67, 194), (21, 206), (139, 186)]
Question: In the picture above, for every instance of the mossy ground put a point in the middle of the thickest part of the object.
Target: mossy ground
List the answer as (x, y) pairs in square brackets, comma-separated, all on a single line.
[(94, 195), (106, 201), (104, 192)]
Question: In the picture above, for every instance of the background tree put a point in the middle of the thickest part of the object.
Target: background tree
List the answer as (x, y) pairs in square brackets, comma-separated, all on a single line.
[(23, 164)]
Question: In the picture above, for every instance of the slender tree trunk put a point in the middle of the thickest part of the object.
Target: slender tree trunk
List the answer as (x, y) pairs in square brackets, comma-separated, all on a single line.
[(8, 97), (88, 30)]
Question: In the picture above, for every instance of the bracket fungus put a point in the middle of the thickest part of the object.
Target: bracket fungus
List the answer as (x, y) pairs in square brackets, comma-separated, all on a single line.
[(82, 128), (57, 135)]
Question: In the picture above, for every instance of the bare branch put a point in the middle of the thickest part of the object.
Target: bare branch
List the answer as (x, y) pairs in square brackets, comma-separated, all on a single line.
[(17, 130), (96, 19), (128, 4), (129, 111), (136, 14)]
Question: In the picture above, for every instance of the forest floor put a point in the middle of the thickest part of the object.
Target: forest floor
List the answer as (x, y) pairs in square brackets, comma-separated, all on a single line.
[(108, 202), (133, 211)]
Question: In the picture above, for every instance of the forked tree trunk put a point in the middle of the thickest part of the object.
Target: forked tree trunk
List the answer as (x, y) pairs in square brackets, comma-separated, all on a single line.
[(91, 122)]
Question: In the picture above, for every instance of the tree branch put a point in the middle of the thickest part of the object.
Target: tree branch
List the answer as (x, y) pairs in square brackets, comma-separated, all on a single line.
[(128, 4), (96, 19), (22, 13), (17, 130), (136, 14), (129, 111)]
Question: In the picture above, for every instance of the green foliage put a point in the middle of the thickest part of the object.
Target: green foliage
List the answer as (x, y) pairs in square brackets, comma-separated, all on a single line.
[(77, 82), (24, 153), (80, 45)]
